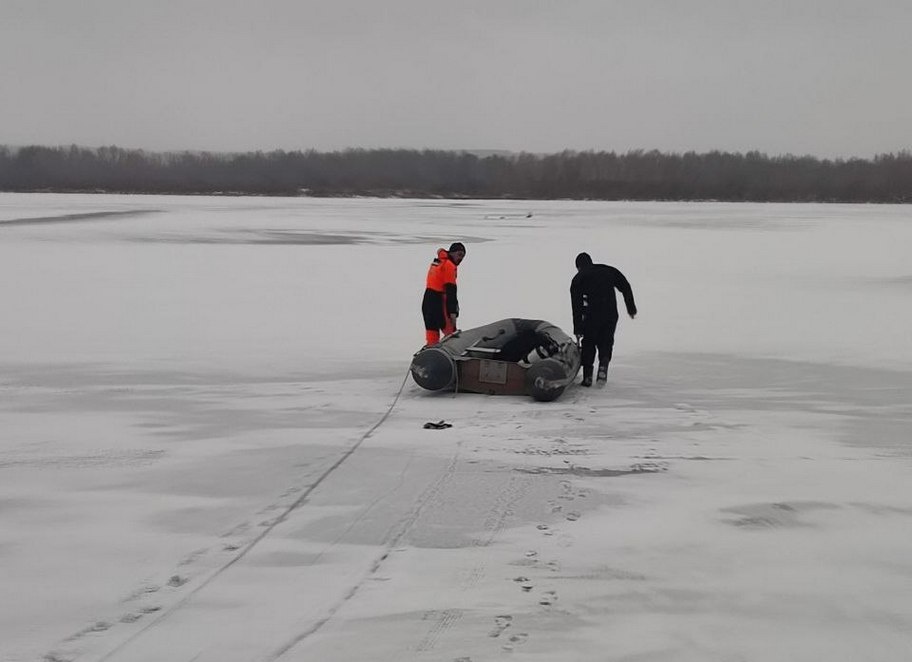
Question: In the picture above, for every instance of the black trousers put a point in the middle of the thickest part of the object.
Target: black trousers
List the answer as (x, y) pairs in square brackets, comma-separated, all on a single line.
[(432, 309), (598, 335)]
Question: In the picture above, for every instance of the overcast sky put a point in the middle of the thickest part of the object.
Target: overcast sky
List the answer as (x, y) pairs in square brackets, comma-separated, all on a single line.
[(823, 77)]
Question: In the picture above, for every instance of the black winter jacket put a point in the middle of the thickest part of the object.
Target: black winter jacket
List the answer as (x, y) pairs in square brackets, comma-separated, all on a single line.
[(593, 299)]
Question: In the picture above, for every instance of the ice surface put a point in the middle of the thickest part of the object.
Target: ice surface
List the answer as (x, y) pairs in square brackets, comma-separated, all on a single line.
[(202, 455)]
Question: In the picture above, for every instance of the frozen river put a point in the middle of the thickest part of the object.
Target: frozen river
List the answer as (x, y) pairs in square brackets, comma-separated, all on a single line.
[(210, 449)]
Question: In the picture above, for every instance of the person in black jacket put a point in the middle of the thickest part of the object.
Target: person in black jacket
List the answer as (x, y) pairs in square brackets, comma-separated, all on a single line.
[(595, 312)]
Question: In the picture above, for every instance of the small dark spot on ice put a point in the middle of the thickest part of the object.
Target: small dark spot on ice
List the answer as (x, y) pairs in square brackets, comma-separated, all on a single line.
[(177, 580)]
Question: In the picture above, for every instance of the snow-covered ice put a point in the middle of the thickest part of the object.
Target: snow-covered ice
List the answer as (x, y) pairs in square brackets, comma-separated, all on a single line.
[(210, 449)]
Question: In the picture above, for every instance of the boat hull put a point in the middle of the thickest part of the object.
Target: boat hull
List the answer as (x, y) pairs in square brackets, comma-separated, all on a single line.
[(514, 356)]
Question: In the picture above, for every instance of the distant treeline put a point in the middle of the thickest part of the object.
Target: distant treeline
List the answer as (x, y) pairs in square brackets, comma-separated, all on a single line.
[(634, 175)]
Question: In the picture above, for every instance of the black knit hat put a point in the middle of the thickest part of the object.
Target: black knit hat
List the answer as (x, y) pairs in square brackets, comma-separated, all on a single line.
[(457, 246)]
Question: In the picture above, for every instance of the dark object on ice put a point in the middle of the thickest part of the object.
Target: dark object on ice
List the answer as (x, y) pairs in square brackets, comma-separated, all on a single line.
[(513, 356), (439, 425)]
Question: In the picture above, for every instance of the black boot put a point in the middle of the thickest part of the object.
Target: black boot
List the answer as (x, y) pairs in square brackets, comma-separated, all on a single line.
[(587, 377), (602, 377)]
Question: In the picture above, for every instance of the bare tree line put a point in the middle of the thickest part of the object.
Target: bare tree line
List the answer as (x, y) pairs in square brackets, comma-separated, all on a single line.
[(634, 175)]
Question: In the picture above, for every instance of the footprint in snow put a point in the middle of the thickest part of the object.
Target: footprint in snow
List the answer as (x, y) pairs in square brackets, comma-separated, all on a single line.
[(524, 583), (515, 640), (501, 623), (143, 591), (548, 598), (193, 556)]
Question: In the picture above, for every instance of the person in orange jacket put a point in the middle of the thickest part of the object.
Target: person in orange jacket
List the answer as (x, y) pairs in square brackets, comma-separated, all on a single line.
[(440, 305)]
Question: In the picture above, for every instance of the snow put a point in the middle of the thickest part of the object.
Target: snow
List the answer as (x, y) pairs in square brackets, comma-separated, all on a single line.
[(210, 449)]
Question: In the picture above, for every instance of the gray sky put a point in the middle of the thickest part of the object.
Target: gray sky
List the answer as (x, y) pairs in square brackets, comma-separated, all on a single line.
[(822, 77)]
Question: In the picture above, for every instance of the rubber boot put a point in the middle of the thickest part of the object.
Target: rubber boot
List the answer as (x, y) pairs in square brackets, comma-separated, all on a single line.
[(587, 377)]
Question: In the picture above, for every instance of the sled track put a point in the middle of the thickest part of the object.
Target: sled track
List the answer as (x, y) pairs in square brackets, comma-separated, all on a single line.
[(442, 621), (278, 520), (404, 525)]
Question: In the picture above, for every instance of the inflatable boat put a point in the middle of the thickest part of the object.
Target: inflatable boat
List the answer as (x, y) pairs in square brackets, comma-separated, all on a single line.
[(513, 356)]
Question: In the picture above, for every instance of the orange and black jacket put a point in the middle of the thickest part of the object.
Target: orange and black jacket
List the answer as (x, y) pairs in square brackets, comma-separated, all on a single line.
[(440, 299)]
